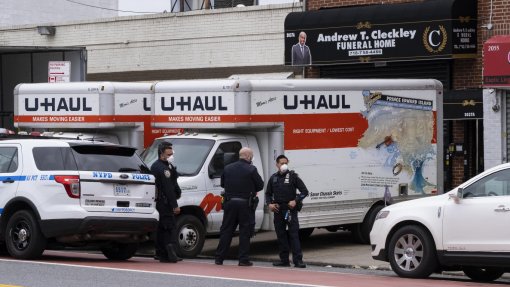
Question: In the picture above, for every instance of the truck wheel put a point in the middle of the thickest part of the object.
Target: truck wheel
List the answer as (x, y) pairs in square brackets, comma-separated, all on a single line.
[(361, 232), (483, 274), (120, 251), (24, 239), (190, 236), (412, 253), (304, 233)]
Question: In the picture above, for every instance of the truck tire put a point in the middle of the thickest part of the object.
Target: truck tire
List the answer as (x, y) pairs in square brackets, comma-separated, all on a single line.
[(361, 232), (480, 274), (190, 236), (120, 251), (23, 236), (412, 252)]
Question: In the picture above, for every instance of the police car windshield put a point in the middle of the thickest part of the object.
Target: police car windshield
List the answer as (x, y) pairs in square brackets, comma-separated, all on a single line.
[(190, 154)]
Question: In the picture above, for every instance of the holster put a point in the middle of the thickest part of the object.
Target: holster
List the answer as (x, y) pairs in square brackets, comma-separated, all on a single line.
[(253, 202)]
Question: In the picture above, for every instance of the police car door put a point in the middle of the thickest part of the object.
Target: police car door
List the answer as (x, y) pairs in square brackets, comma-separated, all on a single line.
[(10, 172), (114, 179), (226, 152)]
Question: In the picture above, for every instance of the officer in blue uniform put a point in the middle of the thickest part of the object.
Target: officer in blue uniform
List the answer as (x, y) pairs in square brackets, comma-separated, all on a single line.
[(241, 182), (167, 193), (282, 199)]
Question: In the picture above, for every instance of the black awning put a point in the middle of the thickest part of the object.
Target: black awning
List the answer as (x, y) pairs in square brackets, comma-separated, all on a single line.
[(388, 32), (463, 104)]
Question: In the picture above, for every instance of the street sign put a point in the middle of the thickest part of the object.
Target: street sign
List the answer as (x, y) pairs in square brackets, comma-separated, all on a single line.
[(59, 71)]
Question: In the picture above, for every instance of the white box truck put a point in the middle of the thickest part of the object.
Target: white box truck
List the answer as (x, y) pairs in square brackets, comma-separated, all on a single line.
[(351, 141), (115, 112)]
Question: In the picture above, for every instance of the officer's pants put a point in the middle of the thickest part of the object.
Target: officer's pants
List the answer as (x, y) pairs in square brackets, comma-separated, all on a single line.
[(166, 231), (288, 239), (236, 212)]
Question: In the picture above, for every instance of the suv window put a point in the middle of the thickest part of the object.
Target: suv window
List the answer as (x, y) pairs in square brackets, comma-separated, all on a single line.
[(54, 158), (8, 159), (108, 158), (229, 151), (496, 184)]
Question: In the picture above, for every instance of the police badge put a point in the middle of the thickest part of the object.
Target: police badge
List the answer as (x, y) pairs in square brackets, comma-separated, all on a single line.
[(167, 173)]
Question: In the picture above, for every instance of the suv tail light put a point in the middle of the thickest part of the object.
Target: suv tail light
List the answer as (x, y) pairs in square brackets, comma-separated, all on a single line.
[(71, 184)]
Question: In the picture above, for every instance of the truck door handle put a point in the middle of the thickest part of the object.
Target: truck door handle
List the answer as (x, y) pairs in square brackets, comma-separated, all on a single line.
[(502, 208), (8, 180)]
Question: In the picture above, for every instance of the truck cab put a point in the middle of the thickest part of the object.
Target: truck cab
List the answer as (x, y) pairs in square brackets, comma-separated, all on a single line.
[(200, 159)]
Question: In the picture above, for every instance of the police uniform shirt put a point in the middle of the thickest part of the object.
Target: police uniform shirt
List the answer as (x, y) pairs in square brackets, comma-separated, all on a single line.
[(241, 179), (281, 188), (166, 182)]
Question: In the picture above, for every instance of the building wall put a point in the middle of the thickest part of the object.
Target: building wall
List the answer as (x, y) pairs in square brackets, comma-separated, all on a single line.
[(22, 12), (180, 42), (494, 135)]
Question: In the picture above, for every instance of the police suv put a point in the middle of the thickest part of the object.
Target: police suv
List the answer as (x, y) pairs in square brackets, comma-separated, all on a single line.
[(57, 193)]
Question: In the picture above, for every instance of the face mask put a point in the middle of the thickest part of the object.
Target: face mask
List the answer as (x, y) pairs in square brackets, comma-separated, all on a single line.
[(284, 168), (171, 159)]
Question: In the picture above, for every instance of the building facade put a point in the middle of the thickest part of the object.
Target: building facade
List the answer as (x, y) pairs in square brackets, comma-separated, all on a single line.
[(447, 46)]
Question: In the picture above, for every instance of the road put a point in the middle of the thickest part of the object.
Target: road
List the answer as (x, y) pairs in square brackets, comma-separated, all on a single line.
[(77, 269)]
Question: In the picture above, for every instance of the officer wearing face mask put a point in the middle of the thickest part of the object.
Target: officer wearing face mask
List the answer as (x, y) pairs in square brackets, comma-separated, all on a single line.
[(282, 199), (167, 193)]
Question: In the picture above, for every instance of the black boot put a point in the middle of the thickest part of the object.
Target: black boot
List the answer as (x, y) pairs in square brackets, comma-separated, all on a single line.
[(172, 256)]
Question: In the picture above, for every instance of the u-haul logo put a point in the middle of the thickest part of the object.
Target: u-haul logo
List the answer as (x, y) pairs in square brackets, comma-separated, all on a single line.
[(315, 102), (206, 103), (77, 104)]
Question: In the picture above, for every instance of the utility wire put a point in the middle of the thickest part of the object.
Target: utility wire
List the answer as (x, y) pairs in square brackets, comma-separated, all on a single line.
[(104, 8)]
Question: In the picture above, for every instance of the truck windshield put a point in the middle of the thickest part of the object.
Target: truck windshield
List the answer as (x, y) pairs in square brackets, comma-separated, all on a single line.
[(189, 154)]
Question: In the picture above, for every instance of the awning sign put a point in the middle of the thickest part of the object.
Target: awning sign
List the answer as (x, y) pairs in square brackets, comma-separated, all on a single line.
[(435, 29), (59, 71), (496, 62)]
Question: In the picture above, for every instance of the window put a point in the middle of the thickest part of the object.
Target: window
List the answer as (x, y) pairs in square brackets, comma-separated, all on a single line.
[(54, 158), (226, 153), (108, 158), (496, 184), (190, 154), (8, 159)]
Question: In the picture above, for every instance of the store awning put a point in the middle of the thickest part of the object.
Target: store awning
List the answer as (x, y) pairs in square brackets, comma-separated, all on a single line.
[(496, 62), (433, 29)]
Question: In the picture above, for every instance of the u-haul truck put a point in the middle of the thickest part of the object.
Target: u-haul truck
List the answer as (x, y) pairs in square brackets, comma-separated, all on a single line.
[(116, 112), (351, 141)]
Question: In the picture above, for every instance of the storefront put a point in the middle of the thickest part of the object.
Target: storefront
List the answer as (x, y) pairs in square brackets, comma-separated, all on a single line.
[(423, 39), (496, 81)]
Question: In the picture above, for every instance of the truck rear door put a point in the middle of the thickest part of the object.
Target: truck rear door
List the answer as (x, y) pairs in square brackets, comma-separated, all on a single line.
[(113, 179)]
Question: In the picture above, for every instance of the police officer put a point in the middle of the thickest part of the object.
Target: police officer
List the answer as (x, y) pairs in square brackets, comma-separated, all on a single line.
[(241, 182), (167, 193), (282, 199)]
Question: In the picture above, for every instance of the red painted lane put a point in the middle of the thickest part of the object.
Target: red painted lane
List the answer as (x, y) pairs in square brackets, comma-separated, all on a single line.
[(255, 273)]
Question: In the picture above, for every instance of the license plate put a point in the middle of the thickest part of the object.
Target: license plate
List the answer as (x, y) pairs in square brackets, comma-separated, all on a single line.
[(120, 190)]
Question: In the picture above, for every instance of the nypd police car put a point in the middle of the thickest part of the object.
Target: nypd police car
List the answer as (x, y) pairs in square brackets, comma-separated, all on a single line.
[(56, 193)]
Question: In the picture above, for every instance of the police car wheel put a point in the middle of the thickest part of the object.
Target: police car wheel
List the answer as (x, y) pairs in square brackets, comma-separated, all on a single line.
[(190, 236), (120, 251), (24, 239)]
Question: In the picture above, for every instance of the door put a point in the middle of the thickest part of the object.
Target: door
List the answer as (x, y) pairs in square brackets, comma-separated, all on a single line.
[(480, 221), (226, 152), (10, 172)]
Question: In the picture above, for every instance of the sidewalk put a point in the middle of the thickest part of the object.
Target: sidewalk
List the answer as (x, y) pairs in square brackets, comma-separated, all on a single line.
[(323, 248)]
